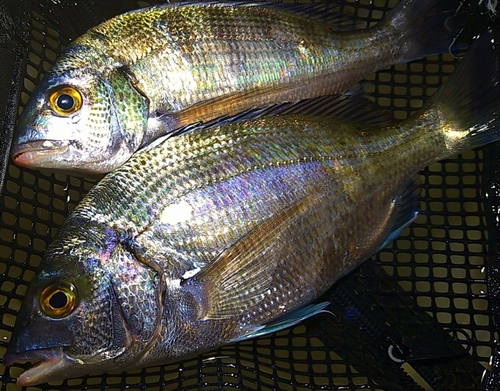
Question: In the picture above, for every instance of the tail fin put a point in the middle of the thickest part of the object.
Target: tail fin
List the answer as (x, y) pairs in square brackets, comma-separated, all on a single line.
[(425, 27), (472, 93)]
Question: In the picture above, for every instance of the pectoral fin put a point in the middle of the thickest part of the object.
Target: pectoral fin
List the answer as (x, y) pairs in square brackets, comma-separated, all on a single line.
[(241, 275)]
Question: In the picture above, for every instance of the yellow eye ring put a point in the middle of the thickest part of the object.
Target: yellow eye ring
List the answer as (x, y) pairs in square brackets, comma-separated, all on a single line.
[(59, 299), (65, 101)]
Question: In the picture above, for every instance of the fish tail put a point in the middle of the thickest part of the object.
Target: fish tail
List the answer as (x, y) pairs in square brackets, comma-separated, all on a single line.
[(424, 27), (471, 96)]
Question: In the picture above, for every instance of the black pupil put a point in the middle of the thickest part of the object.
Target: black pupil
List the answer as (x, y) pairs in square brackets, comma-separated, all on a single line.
[(58, 300), (65, 102)]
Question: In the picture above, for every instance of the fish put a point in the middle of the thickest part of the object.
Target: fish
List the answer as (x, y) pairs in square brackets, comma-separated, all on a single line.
[(151, 71), (221, 235)]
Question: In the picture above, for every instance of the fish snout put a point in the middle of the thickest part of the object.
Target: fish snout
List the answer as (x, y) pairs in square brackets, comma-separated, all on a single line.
[(40, 153)]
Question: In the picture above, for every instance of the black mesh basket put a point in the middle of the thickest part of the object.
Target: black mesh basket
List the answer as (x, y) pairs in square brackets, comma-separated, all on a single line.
[(420, 315)]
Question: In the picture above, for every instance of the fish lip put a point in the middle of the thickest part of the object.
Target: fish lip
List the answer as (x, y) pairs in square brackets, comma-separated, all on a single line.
[(24, 154), (45, 362)]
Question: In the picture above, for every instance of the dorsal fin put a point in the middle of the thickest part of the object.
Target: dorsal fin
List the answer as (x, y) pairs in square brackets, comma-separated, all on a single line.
[(333, 15)]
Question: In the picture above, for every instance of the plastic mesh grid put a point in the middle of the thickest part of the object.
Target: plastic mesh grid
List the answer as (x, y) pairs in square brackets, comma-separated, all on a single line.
[(431, 278)]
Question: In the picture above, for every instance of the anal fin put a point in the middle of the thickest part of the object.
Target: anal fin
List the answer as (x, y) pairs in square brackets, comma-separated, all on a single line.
[(406, 210), (286, 321)]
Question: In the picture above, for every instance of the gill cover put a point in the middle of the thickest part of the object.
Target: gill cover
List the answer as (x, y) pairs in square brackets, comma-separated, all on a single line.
[(139, 292)]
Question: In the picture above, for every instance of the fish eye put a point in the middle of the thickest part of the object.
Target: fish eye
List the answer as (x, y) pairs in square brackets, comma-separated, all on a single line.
[(59, 299), (65, 101)]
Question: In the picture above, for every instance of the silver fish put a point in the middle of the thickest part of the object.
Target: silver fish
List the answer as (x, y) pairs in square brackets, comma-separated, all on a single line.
[(148, 72)]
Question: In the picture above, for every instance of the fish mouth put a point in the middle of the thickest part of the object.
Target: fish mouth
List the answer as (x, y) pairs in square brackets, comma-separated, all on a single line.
[(45, 362), (38, 152)]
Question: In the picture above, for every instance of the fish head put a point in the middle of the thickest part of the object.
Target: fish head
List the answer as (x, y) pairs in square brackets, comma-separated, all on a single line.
[(80, 120), (80, 317)]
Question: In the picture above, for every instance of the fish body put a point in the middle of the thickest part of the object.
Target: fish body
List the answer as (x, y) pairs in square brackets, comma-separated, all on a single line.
[(148, 72), (218, 236)]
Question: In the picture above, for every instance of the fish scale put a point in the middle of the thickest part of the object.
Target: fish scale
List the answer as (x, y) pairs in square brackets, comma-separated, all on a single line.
[(251, 155), (161, 68)]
